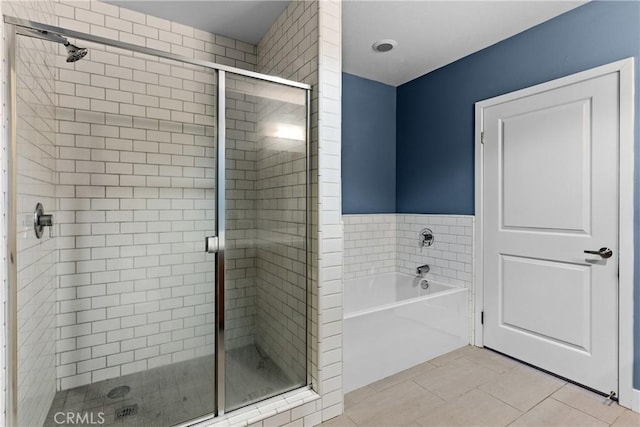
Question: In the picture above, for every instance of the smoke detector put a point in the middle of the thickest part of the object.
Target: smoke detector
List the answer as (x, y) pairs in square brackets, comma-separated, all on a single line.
[(384, 45)]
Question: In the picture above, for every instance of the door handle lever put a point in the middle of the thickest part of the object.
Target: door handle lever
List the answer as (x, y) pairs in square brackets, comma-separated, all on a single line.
[(603, 252)]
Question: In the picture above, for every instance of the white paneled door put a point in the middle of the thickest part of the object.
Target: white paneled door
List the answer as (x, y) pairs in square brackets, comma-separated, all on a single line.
[(550, 194)]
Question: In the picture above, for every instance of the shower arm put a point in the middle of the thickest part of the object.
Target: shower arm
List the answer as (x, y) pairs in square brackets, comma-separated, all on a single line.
[(41, 34), (74, 53)]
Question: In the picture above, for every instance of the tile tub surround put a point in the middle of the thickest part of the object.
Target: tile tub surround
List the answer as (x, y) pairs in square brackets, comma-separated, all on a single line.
[(370, 245), (389, 242), (451, 255)]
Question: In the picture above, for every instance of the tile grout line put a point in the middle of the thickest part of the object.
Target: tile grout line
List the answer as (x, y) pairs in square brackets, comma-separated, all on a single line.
[(578, 409)]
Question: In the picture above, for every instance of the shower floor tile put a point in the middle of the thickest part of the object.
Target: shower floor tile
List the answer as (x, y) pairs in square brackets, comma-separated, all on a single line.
[(175, 393), (251, 377)]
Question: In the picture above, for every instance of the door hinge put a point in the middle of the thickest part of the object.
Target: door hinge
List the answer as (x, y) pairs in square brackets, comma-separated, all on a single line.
[(482, 317), (482, 137)]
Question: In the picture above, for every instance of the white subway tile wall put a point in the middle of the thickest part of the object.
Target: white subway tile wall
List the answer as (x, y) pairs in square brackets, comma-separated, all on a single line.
[(240, 199), (36, 258), (281, 209), (136, 200), (450, 257), (370, 244), (289, 49), (330, 233), (305, 45), (380, 243), (137, 173)]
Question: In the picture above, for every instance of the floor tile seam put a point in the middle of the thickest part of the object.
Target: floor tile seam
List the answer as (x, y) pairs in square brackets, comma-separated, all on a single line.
[(393, 385), (424, 388), (616, 419), (585, 413), (442, 402), (582, 412), (526, 412), (446, 362), (472, 361), (547, 396), (550, 395), (443, 398), (351, 419), (562, 403), (520, 413), (627, 411), (498, 399)]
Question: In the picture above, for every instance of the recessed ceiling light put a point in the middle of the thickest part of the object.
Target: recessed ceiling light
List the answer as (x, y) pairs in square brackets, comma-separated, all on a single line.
[(384, 45)]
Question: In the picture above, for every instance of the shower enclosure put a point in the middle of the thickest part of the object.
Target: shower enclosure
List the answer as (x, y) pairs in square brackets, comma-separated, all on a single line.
[(158, 232)]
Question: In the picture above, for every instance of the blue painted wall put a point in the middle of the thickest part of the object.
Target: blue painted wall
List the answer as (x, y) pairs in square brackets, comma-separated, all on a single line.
[(368, 146), (435, 121)]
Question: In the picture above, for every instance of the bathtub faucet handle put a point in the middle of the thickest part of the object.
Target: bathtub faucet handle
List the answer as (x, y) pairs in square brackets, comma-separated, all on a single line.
[(423, 269)]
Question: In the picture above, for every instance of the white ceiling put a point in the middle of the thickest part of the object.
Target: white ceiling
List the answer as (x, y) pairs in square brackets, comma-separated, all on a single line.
[(238, 19), (431, 34)]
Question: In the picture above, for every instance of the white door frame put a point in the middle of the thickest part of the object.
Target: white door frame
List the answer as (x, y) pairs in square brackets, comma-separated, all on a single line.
[(625, 234)]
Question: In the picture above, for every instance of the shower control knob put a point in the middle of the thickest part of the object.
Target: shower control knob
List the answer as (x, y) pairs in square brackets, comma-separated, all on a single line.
[(42, 220), (603, 252), (45, 220), (425, 238)]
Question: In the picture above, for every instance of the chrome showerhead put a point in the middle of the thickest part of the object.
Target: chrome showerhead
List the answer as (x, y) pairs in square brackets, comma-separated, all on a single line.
[(75, 53)]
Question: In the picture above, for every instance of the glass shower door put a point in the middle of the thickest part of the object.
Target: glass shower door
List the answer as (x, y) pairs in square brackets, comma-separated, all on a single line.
[(118, 311), (116, 306), (265, 246)]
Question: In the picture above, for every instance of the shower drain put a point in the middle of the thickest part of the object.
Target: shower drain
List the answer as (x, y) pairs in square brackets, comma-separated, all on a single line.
[(127, 411), (118, 392)]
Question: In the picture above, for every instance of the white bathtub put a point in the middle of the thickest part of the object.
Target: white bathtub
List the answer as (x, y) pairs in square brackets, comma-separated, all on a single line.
[(391, 324)]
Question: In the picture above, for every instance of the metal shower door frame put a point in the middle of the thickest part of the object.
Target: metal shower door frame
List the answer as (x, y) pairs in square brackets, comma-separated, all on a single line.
[(10, 291), (15, 26)]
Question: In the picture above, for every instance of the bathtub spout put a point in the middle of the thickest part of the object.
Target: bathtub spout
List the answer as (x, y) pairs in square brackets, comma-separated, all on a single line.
[(423, 269)]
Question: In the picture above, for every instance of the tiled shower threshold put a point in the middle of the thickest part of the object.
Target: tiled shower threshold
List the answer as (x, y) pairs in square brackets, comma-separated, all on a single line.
[(269, 409), (172, 394)]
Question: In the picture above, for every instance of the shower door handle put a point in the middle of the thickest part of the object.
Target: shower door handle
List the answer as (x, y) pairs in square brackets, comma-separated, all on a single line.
[(211, 244)]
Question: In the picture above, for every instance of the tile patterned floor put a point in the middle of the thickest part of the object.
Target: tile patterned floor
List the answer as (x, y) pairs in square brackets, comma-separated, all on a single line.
[(477, 387), (174, 393)]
